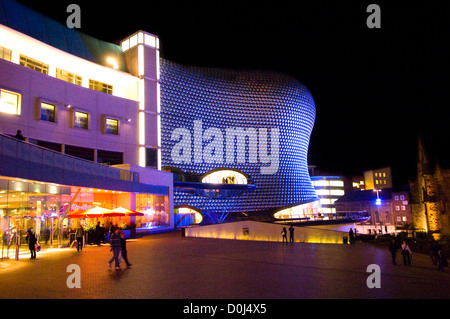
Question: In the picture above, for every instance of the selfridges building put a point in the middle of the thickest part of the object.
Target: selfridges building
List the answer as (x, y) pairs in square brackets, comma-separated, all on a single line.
[(237, 141)]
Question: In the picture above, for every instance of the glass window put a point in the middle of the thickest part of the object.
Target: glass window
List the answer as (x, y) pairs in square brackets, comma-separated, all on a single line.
[(10, 102), (321, 183), (5, 54), (81, 120), (402, 197), (48, 112), (397, 208), (225, 177), (403, 207), (68, 77), (100, 87), (337, 192), (337, 183), (112, 126), (33, 64), (396, 197)]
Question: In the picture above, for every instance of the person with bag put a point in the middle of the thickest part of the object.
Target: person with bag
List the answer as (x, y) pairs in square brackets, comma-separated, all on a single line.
[(32, 241), (406, 253), (79, 235)]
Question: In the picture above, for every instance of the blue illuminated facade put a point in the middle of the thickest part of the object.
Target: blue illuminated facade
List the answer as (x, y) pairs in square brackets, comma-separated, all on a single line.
[(255, 122)]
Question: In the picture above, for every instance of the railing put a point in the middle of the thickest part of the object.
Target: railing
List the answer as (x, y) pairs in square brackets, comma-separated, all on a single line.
[(37, 155)]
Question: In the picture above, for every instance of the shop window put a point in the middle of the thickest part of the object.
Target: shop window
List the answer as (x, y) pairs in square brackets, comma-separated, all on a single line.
[(34, 64), (194, 215), (10, 102)]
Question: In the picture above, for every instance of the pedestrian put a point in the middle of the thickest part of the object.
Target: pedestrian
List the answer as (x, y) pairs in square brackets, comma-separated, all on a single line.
[(351, 236), (98, 234), (284, 235), (31, 238), (124, 252), (393, 247), (434, 249), (116, 246), (19, 135), (80, 235), (442, 260), (406, 253), (291, 234)]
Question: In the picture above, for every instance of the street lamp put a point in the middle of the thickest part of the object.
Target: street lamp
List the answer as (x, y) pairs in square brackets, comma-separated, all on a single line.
[(378, 200)]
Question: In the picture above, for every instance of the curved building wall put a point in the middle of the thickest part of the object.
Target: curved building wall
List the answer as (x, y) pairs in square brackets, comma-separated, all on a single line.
[(256, 122)]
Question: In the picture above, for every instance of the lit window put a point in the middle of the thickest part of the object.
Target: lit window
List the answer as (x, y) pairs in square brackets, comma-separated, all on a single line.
[(376, 174), (68, 77), (5, 54), (337, 192), (376, 181), (384, 174), (112, 126), (325, 201), (48, 112), (33, 64), (321, 192), (100, 87), (337, 183), (321, 183), (396, 197), (402, 197), (10, 102), (384, 182), (399, 218), (403, 207), (81, 120), (404, 218), (397, 208)]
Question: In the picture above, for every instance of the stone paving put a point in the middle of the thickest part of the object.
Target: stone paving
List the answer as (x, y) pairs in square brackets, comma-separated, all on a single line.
[(168, 266)]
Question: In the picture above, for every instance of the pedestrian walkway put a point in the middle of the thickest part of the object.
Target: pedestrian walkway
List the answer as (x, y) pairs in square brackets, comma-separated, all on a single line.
[(169, 266)]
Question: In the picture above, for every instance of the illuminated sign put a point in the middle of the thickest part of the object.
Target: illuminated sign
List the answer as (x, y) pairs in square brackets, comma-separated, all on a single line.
[(235, 137)]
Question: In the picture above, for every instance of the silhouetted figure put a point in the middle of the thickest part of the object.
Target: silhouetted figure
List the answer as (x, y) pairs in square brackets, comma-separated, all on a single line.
[(291, 234), (19, 135), (393, 247), (284, 235)]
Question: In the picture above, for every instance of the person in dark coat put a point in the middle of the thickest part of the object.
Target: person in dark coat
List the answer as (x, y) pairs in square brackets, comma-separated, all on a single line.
[(124, 252), (31, 239), (291, 234), (393, 247), (79, 236), (19, 135), (98, 234), (442, 260)]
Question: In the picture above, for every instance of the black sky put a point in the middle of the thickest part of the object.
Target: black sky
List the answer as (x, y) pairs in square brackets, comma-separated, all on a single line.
[(375, 89)]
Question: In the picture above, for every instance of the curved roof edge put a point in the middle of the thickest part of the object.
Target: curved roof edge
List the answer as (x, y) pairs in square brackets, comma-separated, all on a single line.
[(34, 24)]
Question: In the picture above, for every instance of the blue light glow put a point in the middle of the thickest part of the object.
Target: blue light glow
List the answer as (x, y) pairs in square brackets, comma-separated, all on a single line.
[(275, 115)]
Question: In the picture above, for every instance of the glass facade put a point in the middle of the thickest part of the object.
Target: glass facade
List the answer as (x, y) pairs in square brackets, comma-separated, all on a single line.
[(45, 208)]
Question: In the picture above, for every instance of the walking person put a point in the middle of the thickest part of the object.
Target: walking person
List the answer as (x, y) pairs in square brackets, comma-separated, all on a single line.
[(98, 234), (406, 253), (80, 235), (393, 247), (442, 260), (31, 238), (291, 234), (116, 246), (284, 235), (124, 252)]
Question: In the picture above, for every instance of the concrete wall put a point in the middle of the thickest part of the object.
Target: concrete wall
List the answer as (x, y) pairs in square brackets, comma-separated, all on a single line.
[(259, 231)]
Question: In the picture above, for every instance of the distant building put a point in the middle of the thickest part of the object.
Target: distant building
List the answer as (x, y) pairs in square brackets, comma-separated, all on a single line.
[(389, 211), (430, 191), (328, 189), (378, 178)]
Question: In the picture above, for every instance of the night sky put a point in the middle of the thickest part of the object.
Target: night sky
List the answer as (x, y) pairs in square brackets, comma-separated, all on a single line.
[(375, 89)]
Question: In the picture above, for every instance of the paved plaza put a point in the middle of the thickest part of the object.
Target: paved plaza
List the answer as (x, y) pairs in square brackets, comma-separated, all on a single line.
[(169, 266)]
